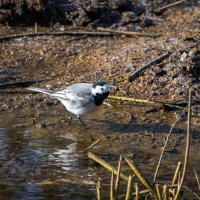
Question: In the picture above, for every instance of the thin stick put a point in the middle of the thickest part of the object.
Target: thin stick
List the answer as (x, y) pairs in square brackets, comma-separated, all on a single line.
[(128, 190), (118, 179), (158, 10), (106, 165), (140, 177), (70, 33), (112, 186), (130, 33), (176, 173), (97, 141), (197, 178), (164, 147), (140, 71), (98, 187), (187, 146)]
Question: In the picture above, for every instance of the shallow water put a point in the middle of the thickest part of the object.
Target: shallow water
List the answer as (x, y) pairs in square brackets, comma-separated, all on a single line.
[(40, 164)]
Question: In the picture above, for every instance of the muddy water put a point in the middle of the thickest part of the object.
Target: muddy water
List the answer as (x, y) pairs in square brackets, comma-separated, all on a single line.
[(41, 163), (41, 158)]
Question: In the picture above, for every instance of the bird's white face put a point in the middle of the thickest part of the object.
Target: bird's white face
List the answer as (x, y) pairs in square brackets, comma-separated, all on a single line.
[(101, 89)]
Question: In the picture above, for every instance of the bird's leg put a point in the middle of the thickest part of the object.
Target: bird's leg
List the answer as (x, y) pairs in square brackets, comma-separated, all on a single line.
[(81, 121), (70, 120)]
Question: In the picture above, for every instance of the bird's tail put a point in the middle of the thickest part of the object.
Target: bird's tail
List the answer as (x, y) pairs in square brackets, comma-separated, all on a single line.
[(45, 91)]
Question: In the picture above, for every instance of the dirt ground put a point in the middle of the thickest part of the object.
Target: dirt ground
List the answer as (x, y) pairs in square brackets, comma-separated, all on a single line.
[(129, 129)]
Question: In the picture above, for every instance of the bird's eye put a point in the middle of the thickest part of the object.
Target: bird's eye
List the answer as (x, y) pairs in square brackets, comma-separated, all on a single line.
[(102, 89)]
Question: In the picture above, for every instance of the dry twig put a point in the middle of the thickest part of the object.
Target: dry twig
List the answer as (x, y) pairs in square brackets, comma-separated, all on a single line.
[(159, 10), (157, 60)]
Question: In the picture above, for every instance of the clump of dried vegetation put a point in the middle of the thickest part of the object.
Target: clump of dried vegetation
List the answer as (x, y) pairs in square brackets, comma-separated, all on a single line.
[(138, 187)]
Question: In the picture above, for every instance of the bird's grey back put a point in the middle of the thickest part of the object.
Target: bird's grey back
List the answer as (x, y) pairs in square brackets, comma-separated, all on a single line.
[(80, 89)]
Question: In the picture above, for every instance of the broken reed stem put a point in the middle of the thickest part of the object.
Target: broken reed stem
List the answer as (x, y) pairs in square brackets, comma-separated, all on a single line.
[(156, 103), (118, 178), (128, 190), (165, 193), (136, 191), (141, 192), (106, 165), (164, 147), (111, 186), (176, 173), (90, 146), (132, 100), (197, 178), (158, 192), (176, 176), (98, 187), (140, 177), (187, 145)]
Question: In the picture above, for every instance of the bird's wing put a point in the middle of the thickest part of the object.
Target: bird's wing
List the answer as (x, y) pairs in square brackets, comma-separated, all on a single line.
[(75, 92)]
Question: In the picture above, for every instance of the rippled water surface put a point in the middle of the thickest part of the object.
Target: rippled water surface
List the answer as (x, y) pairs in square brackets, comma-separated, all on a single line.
[(41, 163)]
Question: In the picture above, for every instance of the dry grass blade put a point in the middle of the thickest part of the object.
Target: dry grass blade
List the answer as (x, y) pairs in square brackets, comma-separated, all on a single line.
[(187, 146), (106, 165), (128, 190), (158, 192), (140, 177), (118, 179), (176, 173), (111, 186), (197, 178), (98, 187)]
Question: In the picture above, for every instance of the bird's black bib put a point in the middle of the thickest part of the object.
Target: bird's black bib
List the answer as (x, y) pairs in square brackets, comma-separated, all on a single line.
[(99, 98)]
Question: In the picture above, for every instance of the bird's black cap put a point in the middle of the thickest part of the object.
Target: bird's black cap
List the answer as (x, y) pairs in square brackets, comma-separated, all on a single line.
[(100, 82)]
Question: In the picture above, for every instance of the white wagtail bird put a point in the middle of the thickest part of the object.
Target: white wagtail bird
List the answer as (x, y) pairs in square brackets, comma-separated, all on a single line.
[(80, 98)]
